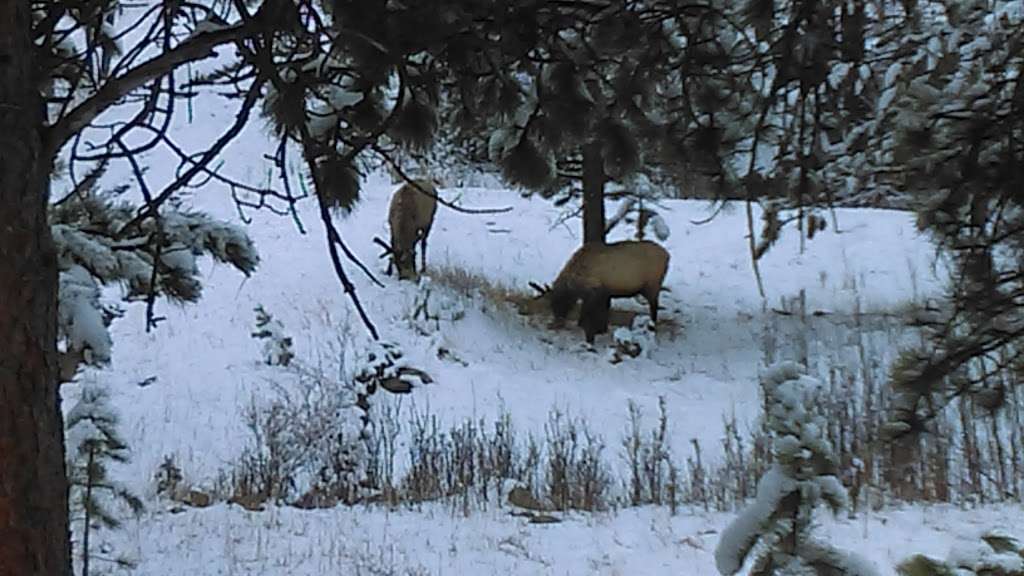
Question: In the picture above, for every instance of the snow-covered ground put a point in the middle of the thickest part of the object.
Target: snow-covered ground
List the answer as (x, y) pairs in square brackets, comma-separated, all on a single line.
[(433, 540), (207, 365), (202, 368)]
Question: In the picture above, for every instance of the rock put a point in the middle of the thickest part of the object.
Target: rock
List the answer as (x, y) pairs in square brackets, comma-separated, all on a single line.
[(250, 503), (921, 565), (196, 499), (522, 498), (409, 371), (544, 519), (314, 499), (396, 385)]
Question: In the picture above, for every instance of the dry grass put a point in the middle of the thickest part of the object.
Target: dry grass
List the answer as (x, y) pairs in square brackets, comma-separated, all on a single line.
[(471, 284)]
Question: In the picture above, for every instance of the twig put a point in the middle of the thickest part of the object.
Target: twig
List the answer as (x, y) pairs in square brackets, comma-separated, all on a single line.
[(387, 247), (262, 58), (717, 211), (333, 241), (398, 170), (197, 48), (200, 165), (352, 257)]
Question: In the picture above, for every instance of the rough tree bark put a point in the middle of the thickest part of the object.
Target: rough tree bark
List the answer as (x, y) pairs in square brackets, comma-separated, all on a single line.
[(593, 193), (594, 224), (34, 538)]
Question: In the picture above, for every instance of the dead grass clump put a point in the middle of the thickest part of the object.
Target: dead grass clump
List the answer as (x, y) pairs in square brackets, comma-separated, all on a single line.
[(472, 284)]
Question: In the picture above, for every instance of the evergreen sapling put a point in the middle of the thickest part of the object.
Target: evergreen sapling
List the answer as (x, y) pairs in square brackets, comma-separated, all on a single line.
[(803, 475), (93, 442)]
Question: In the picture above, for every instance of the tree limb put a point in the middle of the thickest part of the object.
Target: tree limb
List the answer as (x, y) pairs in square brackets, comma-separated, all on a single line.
[(197, 48), (198, 166)]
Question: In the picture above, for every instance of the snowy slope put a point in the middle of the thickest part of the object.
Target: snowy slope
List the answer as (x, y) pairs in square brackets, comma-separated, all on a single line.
[(207, 368)]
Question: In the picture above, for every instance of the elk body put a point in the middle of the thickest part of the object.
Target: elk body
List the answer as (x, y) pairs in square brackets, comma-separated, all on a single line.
[(596, 273), (410, 217)]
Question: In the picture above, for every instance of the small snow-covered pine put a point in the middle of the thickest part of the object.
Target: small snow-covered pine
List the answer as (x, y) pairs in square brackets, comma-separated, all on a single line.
[(93, 442), (430, 307), (277, 346), (802, 476)]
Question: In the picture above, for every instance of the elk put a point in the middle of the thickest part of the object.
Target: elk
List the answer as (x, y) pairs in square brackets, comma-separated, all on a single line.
[(596, 273), (410, 217)]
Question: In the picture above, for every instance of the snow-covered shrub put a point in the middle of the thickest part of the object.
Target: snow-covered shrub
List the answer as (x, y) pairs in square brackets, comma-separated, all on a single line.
[(100, 242), (277, 347), (803, 475), (430, 307), (313, 442), (994, 553), (382, 365), (168, 476), (631, 342), (93, 442), (307, 445)]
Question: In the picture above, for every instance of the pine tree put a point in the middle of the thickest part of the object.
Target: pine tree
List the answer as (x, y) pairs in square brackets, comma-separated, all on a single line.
[(802, 476), (958, 151), (593, 109), (93, 442), (157, 258), (277, 348)]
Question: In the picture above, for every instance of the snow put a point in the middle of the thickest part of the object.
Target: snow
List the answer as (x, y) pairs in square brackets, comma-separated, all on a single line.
[(979, 556), (740, 537), (202, 368), (438, 541), (801, 452), (79, 315)]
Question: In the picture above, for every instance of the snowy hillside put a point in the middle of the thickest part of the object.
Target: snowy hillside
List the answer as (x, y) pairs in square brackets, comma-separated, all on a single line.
[(207, 365), (182, 389)]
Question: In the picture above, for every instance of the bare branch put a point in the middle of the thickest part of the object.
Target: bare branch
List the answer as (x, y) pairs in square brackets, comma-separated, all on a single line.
[(200, 165), (197, 48), (398, 170)]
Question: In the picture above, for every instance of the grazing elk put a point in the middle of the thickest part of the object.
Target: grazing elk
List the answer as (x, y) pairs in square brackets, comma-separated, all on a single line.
[(596, 273), (410, 216)]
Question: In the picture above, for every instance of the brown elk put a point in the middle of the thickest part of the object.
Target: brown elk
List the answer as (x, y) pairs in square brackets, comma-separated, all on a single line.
[(596, 273), (410, 217)]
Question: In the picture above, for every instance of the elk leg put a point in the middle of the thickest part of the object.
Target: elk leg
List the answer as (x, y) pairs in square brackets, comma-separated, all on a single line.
[(594, 314), (423, 251), (652, 303), (586, 320), (604, 314)]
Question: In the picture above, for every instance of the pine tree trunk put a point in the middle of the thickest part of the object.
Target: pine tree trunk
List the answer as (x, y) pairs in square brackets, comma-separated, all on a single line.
[(593, 214), (87, 509), (34, 536), (593, 193)]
